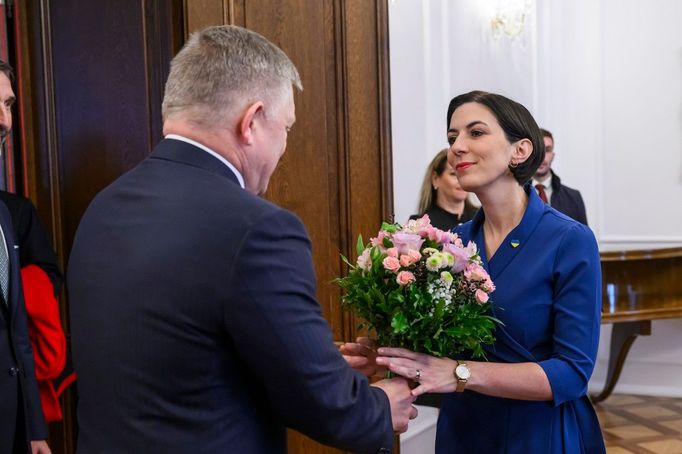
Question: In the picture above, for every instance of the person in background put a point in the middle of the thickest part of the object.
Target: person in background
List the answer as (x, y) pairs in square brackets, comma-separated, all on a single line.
[(552, 191), (530, 396), (195, 324), (442, 197), (42, 282), (22, 425)]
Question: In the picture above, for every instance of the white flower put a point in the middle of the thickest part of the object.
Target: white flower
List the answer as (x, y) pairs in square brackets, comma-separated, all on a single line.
[(446, 278), (436, 261)]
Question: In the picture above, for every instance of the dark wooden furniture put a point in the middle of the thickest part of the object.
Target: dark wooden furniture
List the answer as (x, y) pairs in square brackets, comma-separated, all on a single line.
[(637, 287)]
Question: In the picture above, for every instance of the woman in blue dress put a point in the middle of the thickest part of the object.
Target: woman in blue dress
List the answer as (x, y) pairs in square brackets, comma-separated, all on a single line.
[(531, 395)]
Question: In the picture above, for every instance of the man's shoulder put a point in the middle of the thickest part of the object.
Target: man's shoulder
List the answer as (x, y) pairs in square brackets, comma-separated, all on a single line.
[(15, 202), (570, 190), (265, 215), (559, 187)]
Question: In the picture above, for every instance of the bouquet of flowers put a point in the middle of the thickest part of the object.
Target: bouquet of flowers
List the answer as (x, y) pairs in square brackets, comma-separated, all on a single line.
[(420, 288)]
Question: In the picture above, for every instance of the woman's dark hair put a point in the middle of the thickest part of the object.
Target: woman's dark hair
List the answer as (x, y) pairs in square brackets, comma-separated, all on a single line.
[(516, 122)]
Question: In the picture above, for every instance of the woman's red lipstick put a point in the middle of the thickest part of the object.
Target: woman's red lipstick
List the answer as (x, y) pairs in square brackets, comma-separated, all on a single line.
[(463, 165)]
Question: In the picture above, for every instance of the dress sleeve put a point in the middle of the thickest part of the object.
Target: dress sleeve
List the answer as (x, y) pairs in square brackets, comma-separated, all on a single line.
[(576, 314), (277, 327)]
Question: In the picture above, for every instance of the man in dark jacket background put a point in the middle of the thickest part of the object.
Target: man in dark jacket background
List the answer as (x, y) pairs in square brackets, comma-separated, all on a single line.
[(21, 418), (552, 191)]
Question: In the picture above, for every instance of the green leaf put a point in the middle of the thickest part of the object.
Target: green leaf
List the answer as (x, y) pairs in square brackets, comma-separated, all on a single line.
[(345, 260), (390, 228), (360, 246), (399, 323)]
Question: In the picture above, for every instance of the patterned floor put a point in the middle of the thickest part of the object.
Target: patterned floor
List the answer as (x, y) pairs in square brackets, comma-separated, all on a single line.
[(641, 424)]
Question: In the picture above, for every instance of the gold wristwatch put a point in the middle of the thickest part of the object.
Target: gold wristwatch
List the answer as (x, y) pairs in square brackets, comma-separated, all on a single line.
[(462, 374)]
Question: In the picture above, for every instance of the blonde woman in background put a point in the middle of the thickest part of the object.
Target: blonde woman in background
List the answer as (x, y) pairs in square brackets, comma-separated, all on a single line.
[(442, 197)]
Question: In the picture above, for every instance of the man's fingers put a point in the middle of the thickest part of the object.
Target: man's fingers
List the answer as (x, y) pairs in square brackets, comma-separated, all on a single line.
[(398, 352), (419, 390), (356, 361)]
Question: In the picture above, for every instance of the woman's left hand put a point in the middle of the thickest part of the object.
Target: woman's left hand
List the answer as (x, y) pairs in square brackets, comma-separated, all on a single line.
[(432, 374)]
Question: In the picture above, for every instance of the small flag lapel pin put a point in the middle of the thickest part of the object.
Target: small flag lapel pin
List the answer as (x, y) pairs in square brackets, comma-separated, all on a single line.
[(515, 243)]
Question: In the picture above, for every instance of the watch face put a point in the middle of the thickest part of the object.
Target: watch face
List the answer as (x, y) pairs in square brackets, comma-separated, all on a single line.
[(463, 372)]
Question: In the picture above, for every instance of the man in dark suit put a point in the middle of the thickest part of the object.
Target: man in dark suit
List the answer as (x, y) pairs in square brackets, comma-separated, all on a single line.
[(42, 282), (21, 418), (34, 241), (552, 191), (194, 321)]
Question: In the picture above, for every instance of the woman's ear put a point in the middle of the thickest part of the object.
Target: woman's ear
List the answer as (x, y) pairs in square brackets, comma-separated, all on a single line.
[(522, 150)]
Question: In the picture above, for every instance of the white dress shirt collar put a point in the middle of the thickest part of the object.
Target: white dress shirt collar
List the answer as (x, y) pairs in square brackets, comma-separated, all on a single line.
[(548, 186), (234, 170)]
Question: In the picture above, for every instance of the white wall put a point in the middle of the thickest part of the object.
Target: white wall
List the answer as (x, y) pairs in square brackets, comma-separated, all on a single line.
[(605, 77)]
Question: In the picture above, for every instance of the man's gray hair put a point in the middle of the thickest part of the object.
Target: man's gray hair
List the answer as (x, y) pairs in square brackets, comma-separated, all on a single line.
[(222, 69)]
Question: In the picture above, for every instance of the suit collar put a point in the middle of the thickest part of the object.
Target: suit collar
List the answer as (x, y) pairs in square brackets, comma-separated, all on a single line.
[(556, 182), (186, 153)]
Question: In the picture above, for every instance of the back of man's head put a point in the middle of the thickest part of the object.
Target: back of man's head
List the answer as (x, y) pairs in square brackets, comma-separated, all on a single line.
[(223, 69)]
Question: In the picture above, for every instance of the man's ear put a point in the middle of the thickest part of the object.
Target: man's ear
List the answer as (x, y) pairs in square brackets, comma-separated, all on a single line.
[(522, 150), (247, 125)]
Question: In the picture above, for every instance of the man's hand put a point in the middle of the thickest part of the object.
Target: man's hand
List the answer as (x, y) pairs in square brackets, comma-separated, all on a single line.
[(401, 399), (40, 447), (361, 356)]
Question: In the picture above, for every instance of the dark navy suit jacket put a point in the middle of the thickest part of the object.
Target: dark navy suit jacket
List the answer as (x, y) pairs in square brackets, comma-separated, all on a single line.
[(18, 386), (30, 233), (567, 200), (548, 296), (195, 325)]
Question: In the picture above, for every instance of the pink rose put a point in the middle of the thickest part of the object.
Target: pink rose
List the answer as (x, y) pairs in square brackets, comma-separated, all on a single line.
[(392, 252), (415, 255), (460, 255), (405, 260), (488, 286), (410, 258), (406, 242), (365, 261), (404, 278), (391, 264), (481, 296)]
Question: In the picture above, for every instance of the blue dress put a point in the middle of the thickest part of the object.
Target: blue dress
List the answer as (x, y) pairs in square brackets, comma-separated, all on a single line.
[(548, 279)]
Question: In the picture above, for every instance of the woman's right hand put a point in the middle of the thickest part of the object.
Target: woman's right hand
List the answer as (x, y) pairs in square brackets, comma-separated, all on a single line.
[(361, 355)]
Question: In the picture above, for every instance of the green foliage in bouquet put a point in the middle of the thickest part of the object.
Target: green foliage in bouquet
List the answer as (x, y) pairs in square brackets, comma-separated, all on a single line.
[(420, 288)]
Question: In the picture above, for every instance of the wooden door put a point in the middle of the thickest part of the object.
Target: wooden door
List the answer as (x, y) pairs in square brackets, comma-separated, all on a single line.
[(90, 84)]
